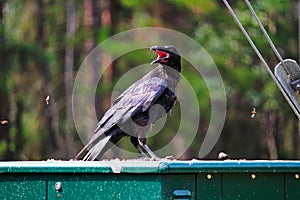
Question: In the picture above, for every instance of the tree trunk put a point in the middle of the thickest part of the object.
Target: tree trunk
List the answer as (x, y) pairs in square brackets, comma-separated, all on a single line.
[(295, 138), (53, 141), (271, 125), (92, 22), (89, 22), (106, 22), (69, 62), (19, 139), (4, 100), (5, 127)]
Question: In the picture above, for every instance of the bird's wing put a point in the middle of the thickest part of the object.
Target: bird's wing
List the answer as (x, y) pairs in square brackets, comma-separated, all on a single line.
[(138, 98), (132, 87), (126, 93)]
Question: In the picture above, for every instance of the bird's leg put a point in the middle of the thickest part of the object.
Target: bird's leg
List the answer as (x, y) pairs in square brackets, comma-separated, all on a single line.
[(135, 143), (142, 142)]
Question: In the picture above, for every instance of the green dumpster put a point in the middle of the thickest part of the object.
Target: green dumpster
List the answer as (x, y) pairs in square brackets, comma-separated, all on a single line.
[(136, 179)]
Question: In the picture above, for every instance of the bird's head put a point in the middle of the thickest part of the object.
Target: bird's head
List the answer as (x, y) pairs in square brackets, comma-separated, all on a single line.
[(167, 55)]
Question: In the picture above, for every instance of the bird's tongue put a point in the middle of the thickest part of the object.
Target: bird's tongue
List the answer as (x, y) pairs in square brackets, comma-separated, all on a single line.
[(161, 54)]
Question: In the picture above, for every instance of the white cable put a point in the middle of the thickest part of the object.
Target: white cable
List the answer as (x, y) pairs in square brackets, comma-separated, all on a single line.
[(250, 41), (262, 59), (268, 38)]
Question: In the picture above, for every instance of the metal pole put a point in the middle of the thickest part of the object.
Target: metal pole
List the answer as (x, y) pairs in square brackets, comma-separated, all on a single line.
[(268, 38), (261, 58)]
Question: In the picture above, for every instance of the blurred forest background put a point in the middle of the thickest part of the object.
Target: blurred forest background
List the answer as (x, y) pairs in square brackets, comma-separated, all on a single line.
[(43, 43)]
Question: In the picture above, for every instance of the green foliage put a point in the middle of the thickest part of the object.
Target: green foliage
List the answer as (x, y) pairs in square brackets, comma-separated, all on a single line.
[(201, 6), (33, 63), (134, 4)]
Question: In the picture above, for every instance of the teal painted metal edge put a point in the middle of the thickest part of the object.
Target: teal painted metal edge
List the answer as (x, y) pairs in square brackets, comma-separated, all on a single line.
[(139, 166), (231, 166), (133, 166), (112, 166), (54, 167)]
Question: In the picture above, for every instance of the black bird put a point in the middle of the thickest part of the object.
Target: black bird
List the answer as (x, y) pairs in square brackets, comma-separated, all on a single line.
[(131, 114)]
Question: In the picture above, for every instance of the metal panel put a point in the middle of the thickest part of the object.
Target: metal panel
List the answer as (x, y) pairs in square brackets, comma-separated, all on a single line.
[(22, 186), (292, 186), (208, 186), (172, 183), (121, 186), (253, 186), (104, 186), (236, 179)]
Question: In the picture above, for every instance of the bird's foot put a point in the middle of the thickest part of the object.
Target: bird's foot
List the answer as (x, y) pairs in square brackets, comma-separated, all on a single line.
[(155, 158)]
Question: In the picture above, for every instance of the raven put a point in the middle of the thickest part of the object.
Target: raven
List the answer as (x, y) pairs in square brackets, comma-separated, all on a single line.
[(130, 114)]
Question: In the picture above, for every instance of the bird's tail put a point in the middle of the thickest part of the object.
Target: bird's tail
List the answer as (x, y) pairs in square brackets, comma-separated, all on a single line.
[(95, 149), (98, 149)]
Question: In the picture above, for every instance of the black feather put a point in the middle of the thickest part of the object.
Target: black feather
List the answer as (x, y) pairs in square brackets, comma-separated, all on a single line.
[(129, 114)]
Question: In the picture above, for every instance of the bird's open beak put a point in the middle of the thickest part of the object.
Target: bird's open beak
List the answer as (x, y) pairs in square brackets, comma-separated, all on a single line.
[(162, 56)]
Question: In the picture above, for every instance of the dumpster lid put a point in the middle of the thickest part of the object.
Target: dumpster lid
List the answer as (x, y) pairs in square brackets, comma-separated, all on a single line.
[(142, 166)]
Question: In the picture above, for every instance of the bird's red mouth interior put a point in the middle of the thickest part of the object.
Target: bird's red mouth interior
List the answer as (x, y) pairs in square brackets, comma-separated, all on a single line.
[(162, 54)]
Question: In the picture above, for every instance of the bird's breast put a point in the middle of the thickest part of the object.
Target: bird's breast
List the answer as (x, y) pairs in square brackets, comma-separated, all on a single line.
[(167, 99)]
